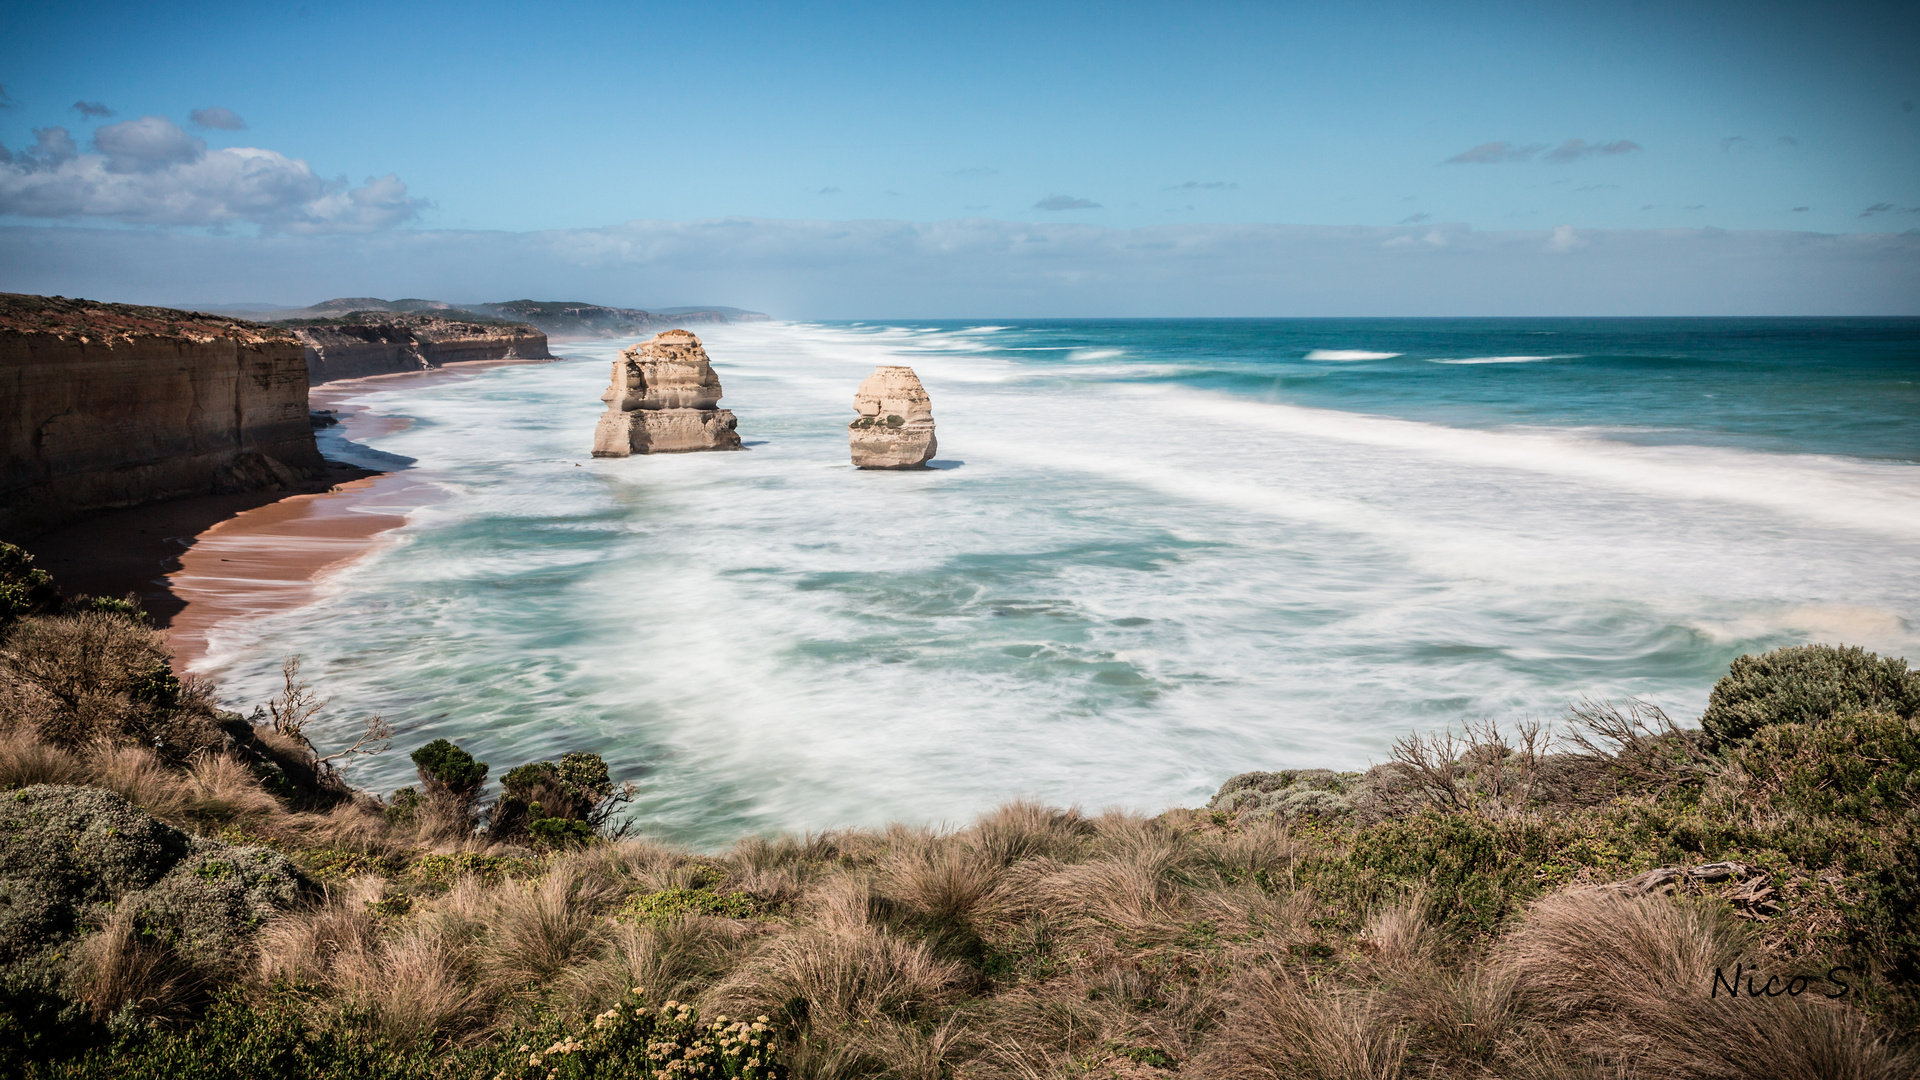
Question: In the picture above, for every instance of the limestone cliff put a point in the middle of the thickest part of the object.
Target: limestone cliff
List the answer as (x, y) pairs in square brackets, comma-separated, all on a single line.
[(106, 405), (662, 399), (895, 427), (363, 343)]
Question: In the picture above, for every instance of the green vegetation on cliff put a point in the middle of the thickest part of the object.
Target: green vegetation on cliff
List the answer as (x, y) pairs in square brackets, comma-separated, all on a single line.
[(1640, 900)]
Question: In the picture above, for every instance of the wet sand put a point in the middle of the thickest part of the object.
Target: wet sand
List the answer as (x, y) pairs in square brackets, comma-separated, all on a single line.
[(198, 563)]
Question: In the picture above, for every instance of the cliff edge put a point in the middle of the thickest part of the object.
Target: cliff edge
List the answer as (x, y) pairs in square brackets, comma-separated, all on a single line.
[(105, 405), (362, 343)]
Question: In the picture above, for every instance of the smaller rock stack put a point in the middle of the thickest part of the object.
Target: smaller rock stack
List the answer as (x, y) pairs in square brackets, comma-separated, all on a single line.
[(895, 428), (662, 401)]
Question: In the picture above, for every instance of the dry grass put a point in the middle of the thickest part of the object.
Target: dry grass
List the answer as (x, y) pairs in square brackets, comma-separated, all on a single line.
[(115, 969), (1630, 981), (26, 759), (1280, 1026)]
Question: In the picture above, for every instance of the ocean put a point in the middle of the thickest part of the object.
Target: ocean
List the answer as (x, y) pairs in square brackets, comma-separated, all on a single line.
[(1152, 554)]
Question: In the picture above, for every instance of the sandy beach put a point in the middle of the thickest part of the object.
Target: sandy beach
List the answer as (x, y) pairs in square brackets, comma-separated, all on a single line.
[(197, 563)]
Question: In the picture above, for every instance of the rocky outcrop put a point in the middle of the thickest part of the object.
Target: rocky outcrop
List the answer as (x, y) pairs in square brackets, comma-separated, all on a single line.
[(363, 343), (661, 400), (105, 405), (895, 428)]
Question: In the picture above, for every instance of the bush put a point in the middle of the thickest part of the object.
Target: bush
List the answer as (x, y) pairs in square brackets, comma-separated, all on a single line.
[(632, 1041), (557, 803), (1806, 684), (445, 767), (99, 674), (24, 589)]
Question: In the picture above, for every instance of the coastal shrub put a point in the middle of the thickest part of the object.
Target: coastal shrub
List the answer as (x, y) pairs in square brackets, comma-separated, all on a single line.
[(635, 1041), (678, 903), (93, 675), (170, 913), (240, 1038), (557, 804), (445, 767), (24, 588), (1288, 795), (1806, 684)]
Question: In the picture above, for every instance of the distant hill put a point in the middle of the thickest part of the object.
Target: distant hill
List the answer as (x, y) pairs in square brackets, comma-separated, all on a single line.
[(557, 318)]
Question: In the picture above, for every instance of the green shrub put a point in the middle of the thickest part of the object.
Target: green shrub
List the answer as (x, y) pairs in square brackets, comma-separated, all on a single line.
[(556, 803), (673, 903), (240, 1039), (1806, 684), (445, 767), (24, 589), (1864, 766), (441, 871), (404, 806)]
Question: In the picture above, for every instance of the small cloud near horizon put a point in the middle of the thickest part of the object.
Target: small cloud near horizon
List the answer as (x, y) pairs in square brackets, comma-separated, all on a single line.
[(1799, 209), (1065, 202), (1728, 144), (1210, 185), (1574, 149), (1649, 206), (1788, 140), (1888, 208), (976, 170), (828, 191), (5, 101), (1416, 219), (217, 117), (1599, 187), (90, 109), (1493, 153), (1564, 239)]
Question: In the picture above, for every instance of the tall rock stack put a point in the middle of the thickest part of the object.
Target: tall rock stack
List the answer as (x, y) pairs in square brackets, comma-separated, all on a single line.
[(895, 428), (662, 400)]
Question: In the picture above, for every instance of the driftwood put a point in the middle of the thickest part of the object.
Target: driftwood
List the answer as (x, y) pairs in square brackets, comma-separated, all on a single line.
[(1753, 898)]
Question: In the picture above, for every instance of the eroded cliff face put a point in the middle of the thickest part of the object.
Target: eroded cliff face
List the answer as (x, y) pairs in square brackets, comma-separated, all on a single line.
[(895, 426), (661, 399), (364, 343), (107, 405)]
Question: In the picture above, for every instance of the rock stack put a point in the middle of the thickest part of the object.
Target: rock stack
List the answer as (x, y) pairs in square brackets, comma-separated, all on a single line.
[(895, 428), (661, 401)]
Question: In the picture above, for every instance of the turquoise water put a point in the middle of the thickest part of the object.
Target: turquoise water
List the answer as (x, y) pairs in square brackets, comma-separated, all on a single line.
[(1154, 554)]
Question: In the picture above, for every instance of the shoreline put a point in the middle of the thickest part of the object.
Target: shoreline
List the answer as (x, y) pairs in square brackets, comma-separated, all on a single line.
[(198, 564)]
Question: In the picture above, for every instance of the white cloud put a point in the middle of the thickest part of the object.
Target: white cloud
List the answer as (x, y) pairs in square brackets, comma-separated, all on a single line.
[(150, 172), (1564, 239)]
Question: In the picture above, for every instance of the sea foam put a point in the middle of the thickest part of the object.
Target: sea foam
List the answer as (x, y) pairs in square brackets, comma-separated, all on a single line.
[(1114, 592)]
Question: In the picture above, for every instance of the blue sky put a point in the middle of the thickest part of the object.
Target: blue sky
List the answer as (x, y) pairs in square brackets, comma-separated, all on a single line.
[(1492, 118)]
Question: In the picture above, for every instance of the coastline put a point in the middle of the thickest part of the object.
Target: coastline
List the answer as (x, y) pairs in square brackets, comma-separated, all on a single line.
[(199, 563)]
